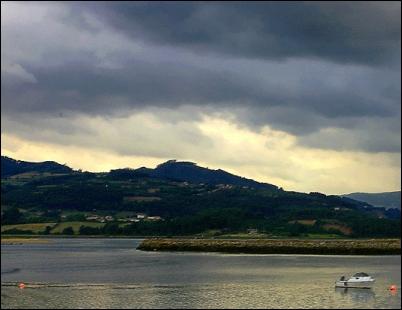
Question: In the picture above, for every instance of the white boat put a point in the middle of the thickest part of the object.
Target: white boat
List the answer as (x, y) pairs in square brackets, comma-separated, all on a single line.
[(359, 280)]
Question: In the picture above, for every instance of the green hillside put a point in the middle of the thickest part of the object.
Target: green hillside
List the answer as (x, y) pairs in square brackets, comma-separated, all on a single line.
[(129, 202)]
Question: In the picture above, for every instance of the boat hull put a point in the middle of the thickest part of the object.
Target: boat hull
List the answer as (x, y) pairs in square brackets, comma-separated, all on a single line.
[(346, 284)]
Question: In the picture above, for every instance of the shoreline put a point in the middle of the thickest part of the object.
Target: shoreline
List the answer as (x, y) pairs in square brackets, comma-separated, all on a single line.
[(18, 240), (276, 246), (189, 237), (237, 246)]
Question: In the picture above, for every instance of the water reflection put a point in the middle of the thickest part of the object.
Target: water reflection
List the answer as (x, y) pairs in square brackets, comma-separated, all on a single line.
[(356, 294)]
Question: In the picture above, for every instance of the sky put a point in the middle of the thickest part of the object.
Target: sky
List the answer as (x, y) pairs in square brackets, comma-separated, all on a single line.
[(303, 95)]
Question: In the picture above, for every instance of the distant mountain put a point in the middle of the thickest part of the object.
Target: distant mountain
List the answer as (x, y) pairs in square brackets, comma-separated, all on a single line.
[(190, 172), (385, 200), (10, 167)]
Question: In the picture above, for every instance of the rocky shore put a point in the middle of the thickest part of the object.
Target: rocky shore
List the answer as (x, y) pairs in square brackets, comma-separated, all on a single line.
[(277, 246)]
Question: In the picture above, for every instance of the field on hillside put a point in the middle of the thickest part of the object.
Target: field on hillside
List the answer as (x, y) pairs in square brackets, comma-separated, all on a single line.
[(35, 228), (58, 229)]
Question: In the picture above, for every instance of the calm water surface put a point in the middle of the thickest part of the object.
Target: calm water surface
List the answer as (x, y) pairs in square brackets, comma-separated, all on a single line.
[(111, 273)]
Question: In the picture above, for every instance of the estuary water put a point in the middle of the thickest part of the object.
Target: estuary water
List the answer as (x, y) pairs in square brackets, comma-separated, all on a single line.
[(111, 273)]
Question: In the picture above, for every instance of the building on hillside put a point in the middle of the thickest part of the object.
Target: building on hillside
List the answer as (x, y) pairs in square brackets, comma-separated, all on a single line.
[(154, 218), (252, 231)]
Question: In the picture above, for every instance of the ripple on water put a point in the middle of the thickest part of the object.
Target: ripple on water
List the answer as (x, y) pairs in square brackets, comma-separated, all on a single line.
[(81, 295), (110, 274)]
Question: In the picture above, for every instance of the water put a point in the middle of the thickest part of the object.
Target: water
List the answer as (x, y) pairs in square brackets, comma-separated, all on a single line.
[(111, 273)]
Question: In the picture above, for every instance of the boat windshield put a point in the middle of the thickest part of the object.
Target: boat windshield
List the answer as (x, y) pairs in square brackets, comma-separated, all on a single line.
[(361, 274)]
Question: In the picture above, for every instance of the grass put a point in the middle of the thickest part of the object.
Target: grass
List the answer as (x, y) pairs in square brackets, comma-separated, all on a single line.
[(35, 228), (58, 229), (140, 198), (324, 236), (244, 236), (122, 214), (342, 228), (304, 222)]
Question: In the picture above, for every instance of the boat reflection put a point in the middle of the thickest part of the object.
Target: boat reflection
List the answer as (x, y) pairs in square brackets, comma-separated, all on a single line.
[(356, 294)]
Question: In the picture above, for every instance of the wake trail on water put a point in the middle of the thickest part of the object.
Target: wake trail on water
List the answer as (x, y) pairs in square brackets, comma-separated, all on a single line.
[(36, 285)]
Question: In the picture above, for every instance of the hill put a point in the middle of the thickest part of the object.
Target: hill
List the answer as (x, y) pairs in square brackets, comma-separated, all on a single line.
[(178, 198), (11, 167), (190, 172), (383, 200)]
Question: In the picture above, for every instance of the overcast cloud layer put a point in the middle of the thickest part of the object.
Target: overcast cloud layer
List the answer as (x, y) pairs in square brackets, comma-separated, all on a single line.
[(142, 78)]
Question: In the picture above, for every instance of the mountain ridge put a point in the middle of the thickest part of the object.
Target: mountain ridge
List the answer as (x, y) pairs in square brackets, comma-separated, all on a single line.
[(384, 199), (191, 172), (185, 171), (10, 167)]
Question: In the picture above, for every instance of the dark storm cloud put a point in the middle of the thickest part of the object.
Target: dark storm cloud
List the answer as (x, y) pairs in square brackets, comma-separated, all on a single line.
[(344, 32), (298, 67), (84, 88)]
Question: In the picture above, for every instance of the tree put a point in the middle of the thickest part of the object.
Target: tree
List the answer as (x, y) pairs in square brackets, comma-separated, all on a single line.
[(87, 230), (68, 231), (47, 230), (111, 229), (11, 216)]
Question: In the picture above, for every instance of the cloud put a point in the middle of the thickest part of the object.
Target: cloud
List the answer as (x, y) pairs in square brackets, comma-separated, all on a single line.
[(15, 74), (343, 32), (369, 138), (297, 97), (271, 156), (106, 76), (142, 134)]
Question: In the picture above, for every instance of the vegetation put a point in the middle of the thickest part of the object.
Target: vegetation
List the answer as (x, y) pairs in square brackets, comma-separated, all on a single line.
[(73, 227), (173, 207), (67, 231), (37, 228), (11, 167)]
